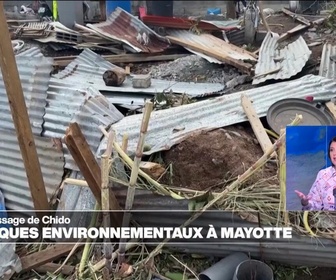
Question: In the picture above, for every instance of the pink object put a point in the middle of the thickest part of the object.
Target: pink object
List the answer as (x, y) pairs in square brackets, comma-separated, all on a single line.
[(321, 193), (309, 98)]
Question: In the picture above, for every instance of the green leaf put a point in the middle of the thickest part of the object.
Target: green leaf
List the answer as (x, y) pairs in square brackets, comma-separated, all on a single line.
[(176, 276)]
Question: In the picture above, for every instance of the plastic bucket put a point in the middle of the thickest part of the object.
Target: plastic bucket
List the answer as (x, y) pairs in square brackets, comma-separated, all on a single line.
[(253, 270)]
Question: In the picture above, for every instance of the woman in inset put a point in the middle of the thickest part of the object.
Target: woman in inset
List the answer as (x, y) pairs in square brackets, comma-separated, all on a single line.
[(322, 194)]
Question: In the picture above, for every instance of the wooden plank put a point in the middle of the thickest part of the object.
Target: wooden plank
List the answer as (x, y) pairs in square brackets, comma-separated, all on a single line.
[(20, 117), (296, 16), (293, 31), (256, 124), (102, 7), (332, 108), (123, 58), (220, 55), (52, 267), (50, 254), (87, 164)]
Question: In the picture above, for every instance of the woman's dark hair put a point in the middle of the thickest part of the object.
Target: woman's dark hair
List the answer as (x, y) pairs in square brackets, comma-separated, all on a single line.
[(332, 140)]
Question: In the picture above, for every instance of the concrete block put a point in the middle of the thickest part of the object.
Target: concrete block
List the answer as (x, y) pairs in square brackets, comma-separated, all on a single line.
[(141, 81)]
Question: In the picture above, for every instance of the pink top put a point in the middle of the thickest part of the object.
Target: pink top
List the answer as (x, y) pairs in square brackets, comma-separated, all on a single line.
[(321, 192)]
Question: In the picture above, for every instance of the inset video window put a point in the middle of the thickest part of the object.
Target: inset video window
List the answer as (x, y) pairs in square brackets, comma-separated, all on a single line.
[(310, 168)]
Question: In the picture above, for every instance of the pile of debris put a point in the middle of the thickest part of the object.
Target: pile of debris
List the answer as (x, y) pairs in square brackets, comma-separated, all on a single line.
[(193, 151)]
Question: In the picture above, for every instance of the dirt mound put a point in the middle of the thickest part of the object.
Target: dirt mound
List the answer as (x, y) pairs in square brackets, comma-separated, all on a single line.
[(209, 159)]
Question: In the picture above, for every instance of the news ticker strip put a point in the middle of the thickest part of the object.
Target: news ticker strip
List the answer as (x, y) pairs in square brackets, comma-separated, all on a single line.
[(69, 227)]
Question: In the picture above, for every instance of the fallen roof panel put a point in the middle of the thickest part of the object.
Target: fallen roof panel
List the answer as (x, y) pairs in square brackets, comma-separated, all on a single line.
[(214, 113), (13, 178), (187, 23), (214, 47), (86, 106), (279, 63), (33, 52), (34, 74), (86, 57), (93, 75), (124, 27), (328, 62)]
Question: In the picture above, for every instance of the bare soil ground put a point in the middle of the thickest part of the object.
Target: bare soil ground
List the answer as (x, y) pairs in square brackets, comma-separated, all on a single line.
[(209, 159), (318, 274)]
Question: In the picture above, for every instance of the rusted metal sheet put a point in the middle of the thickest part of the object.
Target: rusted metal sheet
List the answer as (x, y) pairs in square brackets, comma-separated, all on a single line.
[(123, 27), (280, 61), (328, 62), (215, 113), (13, 178), (214, 47), (186, 23)]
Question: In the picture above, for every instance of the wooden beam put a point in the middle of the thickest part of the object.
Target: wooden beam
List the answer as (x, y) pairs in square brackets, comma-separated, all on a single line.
[(215, 53), (20, 117), (256, 124), (123, 58), (50, 254), (52, 267), (293, 31), (87, 164), (102, 7), (296, 16), (230, 9), (332, 108)]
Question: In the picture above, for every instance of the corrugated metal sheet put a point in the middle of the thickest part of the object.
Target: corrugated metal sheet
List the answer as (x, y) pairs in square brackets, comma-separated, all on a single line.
[(13, 179), (222, 24), (236, 37), (86, 106), (301, 250), (31, 52), (87, 57), (93, 75), (214, 47), (34, 73), (328, 62), (279, 63), (217, 112), (124, 27)]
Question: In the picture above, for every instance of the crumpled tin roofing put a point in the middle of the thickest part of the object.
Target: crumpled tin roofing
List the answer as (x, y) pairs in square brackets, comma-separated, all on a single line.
[(328, 62), (88, 68), (93, 75), (34, 74), (86, 57), (86, 106), (13, 178), (33, 52), (300, 250), (123, 27), (279, 63), (211, 46), (214, 113)]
